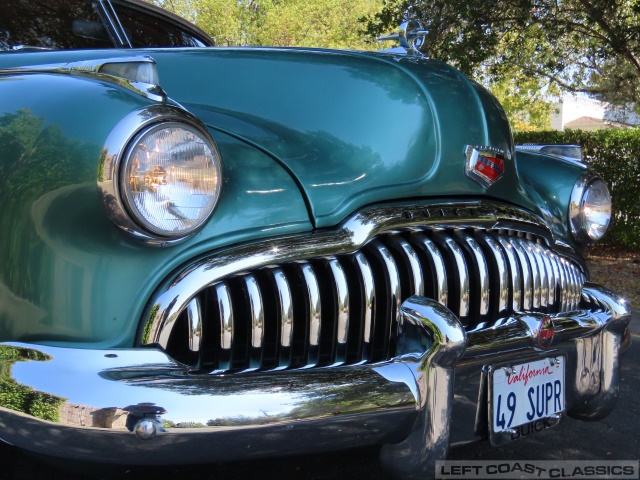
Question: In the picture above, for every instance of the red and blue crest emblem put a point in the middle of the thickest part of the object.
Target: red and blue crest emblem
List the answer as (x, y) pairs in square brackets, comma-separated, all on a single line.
[(485, 165)]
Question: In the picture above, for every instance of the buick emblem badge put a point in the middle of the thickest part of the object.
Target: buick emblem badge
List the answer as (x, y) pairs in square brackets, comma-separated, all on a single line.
[(546, 331), (485, 165)]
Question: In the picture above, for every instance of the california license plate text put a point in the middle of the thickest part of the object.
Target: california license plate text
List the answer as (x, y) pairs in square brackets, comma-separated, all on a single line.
[(527, 392)]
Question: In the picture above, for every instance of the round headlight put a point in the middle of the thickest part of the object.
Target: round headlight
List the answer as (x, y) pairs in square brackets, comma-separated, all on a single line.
[(590, 209), (170, 179)]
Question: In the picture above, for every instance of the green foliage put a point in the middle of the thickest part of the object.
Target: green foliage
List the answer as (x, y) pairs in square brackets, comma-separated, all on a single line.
[(590, 46), (36, 158), (15, 354), (168, 424), (21, 398), (26, 400), (12, 395), (524, 101), (615, 156), (321, 23), (146, 333)]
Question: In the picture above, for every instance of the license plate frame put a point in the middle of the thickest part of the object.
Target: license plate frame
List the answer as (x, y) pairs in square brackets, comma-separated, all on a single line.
[(532, 400)]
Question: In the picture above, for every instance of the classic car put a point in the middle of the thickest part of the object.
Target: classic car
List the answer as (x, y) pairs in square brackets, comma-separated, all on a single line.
[(210, 254)]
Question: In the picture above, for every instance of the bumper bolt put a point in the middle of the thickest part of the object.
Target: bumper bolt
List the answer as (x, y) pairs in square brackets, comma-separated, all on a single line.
[(145, 429)]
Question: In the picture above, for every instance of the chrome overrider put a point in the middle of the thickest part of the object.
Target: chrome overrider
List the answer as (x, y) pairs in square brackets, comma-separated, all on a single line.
[(138, 406)]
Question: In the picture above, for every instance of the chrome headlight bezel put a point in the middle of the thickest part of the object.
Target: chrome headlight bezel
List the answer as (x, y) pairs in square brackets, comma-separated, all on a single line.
[(114, 161), (584, 230)]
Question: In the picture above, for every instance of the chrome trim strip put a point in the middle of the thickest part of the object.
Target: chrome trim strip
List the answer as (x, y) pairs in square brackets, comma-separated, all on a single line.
[(227, 321), (463, 273), (342, 296), (285, 304), (500, 249), (91, 69), (579, 280), (572, 286), (158, 12), (194, 322), (367, 280), (544, 278), (414, 267), (391, 270), (550, 284), (527, 274), (553, 261), (441, 287), (551, 279), (563, 285), (535, 272), (256, 313), (575, 289), (575, 296), (548, 289), (114, 22), (315, 313), (115, 31), (556, 151), (481, 262)]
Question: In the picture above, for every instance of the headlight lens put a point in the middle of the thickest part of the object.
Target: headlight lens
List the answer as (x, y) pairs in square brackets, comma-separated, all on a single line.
[(590, 210), (170, 179)]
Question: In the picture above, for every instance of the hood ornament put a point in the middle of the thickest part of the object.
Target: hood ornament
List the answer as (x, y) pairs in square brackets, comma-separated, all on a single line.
[(485, 165), (410, 35)]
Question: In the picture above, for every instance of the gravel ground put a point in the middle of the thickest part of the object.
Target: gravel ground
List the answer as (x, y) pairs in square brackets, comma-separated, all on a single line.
[(619, 271)]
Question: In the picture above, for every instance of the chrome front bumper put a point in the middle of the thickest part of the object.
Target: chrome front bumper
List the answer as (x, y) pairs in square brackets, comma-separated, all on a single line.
[(141, 407)]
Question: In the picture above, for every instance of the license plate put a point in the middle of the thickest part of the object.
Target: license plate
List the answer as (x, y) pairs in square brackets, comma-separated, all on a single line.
[(526, 393)]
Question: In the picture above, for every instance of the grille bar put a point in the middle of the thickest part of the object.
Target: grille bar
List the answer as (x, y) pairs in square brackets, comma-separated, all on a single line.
[(342, 309)]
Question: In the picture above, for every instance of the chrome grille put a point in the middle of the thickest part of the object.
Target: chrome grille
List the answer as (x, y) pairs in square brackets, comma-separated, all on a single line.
[(341, 309)]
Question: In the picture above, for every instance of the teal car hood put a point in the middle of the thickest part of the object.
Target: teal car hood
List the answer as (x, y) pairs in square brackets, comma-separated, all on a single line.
[(352, 128)]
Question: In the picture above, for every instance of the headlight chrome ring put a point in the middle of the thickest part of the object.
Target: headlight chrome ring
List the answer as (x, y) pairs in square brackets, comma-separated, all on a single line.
[(589, 209), (162, 175)]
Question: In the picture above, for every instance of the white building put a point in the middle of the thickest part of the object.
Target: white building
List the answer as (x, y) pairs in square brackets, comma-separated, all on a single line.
[(582, 113)]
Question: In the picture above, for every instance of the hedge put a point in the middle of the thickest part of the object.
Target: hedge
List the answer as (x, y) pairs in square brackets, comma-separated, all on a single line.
[(615, 156), (20, 397)]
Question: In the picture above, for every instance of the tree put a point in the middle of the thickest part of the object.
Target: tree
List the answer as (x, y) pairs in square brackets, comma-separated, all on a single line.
[(589, 46), (302, 23), (525, 100)]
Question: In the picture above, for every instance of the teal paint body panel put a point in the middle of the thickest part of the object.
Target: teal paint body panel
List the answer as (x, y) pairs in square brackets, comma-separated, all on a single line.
[(69, 276), (550, 181)]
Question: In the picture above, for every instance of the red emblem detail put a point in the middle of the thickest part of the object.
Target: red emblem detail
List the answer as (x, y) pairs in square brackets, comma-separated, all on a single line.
[(484, 164), (546, 331)]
